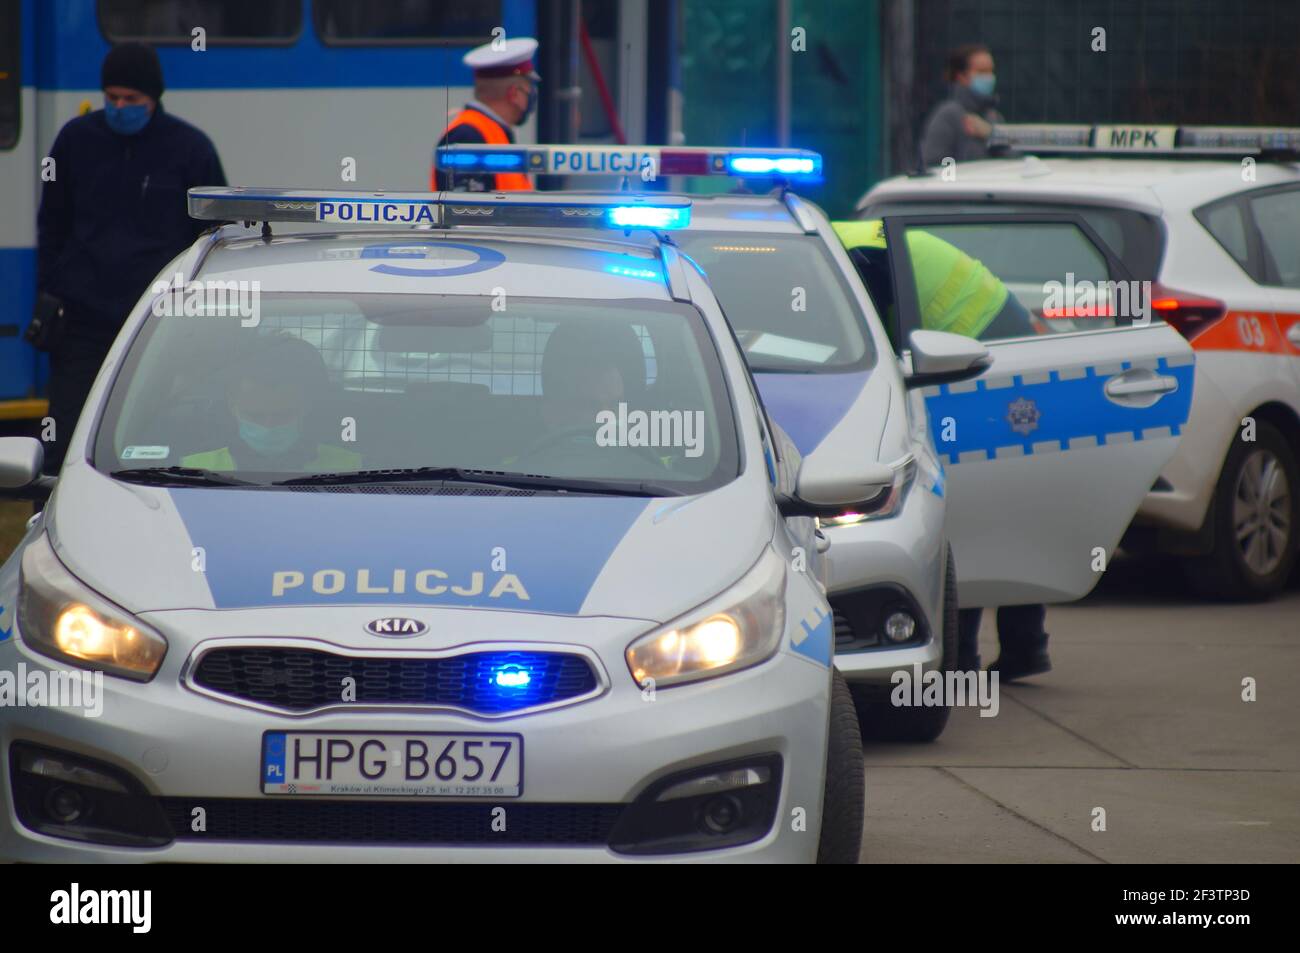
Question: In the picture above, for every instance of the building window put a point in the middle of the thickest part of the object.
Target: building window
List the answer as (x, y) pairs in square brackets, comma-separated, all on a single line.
[(406, 22), (165, 22)]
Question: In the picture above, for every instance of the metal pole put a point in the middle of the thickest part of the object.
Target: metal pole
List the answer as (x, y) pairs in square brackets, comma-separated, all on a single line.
[(783, 18)]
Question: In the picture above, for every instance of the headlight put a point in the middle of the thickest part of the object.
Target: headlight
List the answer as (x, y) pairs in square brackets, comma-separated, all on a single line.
[(904, 474), (61, 618), (739, 628)]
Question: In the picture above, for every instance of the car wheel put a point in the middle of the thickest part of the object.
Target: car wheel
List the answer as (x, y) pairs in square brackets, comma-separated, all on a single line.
[(882, 721), (1254, 512), (844, 796)]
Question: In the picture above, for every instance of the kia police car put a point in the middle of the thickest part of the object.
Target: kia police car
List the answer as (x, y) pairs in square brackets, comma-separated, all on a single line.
[(556, 600), (1210, 218), (1023, 471)]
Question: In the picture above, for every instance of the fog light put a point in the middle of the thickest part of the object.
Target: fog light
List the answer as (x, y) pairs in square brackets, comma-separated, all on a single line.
[(64, 805), (722, 814), (899, 626)]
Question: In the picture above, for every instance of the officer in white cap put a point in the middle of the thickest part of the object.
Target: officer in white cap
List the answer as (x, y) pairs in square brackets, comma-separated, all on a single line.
[(505, 92)]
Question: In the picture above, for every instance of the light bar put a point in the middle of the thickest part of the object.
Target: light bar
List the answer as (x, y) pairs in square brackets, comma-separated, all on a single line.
[(621, 210), (647, 162), (1146, 140)]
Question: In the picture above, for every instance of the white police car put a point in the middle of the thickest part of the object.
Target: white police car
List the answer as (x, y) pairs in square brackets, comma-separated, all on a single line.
[(558, 600), (1028, 471), (1210, 216)]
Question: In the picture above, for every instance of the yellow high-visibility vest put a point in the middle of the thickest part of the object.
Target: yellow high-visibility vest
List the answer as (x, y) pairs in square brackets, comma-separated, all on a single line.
[(956, 292)]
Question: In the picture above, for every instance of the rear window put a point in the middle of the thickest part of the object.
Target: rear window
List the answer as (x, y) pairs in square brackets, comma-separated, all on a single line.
[(1137, 239), (787, 301)]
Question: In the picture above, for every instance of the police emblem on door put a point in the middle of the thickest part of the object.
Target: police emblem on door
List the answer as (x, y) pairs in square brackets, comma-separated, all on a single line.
[(1022, 415)]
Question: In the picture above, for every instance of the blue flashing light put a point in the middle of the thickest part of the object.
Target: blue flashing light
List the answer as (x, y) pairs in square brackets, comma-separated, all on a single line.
[(465, 159), (627, 272), (512, 676), (649, 216), (504, 160), (773, 165)]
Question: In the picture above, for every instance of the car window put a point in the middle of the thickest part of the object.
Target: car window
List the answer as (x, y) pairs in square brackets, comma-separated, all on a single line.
[(1226, 222), (1136, 238), (787, 301), (996, 280), (1277, 215), (618, 390)]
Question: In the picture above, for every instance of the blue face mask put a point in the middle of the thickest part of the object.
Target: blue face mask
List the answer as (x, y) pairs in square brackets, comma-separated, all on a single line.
[(268, 441), (126, 120), (983, 83)]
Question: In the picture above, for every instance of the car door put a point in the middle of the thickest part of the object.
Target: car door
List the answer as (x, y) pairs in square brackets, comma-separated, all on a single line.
[(1050, 452), (1274, 214)]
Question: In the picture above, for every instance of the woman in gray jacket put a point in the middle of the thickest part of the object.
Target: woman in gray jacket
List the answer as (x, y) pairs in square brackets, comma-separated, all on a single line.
[(959, 127)]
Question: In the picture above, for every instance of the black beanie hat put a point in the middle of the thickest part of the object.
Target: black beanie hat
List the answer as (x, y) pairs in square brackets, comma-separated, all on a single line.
[(134, 66)]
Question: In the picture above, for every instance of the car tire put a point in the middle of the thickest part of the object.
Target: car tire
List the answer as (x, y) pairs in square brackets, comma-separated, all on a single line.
[(882, 721), (844, 795), (1259, 482)]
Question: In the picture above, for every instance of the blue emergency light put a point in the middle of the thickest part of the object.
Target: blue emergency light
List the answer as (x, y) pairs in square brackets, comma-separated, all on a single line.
[(644, 162), (621, 210)]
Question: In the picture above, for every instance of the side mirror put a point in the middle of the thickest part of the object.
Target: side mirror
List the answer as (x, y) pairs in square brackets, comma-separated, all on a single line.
[(828, 487), (21, 460), (942, 358)]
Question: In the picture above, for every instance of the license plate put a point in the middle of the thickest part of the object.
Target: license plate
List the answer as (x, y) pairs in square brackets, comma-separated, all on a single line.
[(392, 764)]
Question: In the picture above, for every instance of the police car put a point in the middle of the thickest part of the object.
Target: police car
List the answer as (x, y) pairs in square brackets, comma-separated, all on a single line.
[(559, 599), (1208, 217), (1022, 471)]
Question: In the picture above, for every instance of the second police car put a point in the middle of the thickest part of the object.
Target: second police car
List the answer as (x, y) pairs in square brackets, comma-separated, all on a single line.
[(1010, 487), (554, 597)]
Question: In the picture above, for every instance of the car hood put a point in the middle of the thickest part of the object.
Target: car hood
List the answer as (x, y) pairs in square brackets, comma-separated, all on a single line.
[(849, 407), (153, 549)]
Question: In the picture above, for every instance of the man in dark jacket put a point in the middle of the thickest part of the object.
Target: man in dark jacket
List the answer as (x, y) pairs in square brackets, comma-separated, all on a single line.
[(959, 127), (111, 217)]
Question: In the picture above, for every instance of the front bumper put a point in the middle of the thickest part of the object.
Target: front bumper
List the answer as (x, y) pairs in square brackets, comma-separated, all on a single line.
[(899, 560), (180, 746)]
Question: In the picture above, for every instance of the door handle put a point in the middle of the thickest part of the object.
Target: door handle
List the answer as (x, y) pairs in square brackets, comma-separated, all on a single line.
[(1124, 386), (1139, 387)]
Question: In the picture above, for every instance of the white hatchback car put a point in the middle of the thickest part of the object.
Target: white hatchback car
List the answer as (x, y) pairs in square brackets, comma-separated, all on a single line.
[(285, 605), (1211, 217)]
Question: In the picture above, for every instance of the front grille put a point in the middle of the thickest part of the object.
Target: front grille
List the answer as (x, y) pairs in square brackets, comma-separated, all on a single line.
[(483, 682), (372, 822)]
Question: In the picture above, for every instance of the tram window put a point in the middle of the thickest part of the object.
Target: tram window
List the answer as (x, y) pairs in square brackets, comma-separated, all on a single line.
[(273, 22), (396, 22), (11, 88)]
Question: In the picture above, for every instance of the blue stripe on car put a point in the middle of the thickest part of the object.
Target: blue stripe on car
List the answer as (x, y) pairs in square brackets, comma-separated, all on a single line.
[(554, 547), (813, 640), (808, 406), (1065, 410)]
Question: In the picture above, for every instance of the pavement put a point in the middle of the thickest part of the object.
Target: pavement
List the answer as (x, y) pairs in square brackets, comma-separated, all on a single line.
[(1142, 716)]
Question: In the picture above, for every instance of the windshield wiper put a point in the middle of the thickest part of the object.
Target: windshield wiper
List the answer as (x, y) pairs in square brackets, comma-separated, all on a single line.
[(487, 478), (179, 476)]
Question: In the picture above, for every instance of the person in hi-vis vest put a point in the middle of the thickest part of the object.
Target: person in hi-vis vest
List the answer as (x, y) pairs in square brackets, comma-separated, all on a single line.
[(270, 394), (505, 92)]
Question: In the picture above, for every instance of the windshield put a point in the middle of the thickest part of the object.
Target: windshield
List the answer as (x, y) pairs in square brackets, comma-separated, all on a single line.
[(624, 392), (788, 303)]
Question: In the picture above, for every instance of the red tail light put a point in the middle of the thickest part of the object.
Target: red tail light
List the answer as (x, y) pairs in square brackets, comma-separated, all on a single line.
[(1189, 314)]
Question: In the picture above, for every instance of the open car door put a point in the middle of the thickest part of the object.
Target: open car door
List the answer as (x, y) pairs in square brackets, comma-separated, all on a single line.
[(1050, 452)]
